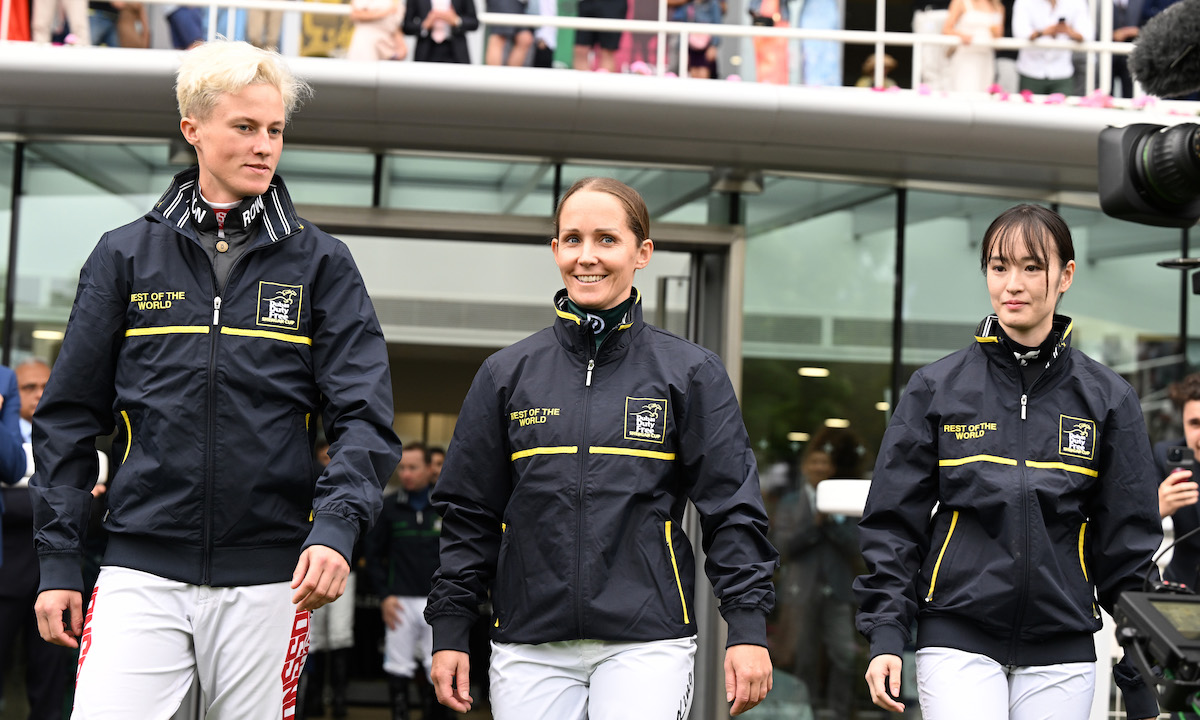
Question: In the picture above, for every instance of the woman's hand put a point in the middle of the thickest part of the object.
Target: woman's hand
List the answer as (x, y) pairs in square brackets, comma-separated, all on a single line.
[(747, 676), (451, 674), (883, 678)]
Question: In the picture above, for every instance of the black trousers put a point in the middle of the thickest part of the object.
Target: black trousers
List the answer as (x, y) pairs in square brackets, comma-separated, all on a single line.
[(48, 668)]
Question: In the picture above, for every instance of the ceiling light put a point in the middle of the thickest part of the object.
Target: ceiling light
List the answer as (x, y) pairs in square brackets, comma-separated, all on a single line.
[(837, 423), (813, 372)]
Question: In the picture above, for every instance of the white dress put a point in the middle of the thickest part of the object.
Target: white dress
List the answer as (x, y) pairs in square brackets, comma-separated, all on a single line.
[(973, 67), (375, 39)]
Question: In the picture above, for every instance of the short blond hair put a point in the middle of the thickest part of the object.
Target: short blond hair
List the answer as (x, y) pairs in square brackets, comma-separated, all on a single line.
[(223, 66)]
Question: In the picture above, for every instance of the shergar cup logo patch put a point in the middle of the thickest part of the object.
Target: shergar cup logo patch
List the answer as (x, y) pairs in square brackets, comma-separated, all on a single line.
[(279, 305), (645, 419)]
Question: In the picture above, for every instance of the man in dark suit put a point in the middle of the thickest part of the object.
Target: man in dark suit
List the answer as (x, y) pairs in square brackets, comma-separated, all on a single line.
[(1178, 492), (47, 667)]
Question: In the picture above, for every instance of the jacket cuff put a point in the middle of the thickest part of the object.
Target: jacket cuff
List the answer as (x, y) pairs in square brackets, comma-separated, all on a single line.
[(61, 571), (746, 627), (334, 532), (452, 632), (1140, 701), (888, 639)]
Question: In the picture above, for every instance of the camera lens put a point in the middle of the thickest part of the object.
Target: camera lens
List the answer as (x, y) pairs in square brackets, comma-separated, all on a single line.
[(1170, 161)]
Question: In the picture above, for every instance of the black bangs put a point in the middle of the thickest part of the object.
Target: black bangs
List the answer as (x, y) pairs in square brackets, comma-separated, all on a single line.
[(1042, 231), (1015, 242)]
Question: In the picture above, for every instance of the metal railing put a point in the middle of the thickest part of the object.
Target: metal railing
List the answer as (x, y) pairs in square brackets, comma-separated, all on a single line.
[(1099, 53)]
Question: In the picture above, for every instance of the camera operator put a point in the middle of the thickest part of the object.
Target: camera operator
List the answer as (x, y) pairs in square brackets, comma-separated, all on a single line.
[(1178, 492)]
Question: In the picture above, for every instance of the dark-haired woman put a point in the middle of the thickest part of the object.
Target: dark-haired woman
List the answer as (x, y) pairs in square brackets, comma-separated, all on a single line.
[(563, 492), (1035, 464)]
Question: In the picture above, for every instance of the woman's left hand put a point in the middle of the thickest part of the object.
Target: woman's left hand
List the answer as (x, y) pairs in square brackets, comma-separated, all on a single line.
[(747, 676)]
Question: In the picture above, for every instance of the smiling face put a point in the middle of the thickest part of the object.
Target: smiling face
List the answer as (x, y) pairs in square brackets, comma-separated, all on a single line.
[(1025, 289), (1191, 426), (596, 251), (238, 144)]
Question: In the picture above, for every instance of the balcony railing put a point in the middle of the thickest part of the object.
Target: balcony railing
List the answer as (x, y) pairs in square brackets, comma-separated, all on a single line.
[(1099, 53)]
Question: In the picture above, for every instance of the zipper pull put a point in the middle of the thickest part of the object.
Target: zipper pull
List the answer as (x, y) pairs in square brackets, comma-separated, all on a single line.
[(217, 310), (420, 517), (588, 382), (1024, 402)]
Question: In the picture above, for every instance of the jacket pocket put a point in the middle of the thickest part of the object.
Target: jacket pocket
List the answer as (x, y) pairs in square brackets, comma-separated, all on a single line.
[(502, 561), (675, 570), (937, 566), (1083, 567), (128, 436)]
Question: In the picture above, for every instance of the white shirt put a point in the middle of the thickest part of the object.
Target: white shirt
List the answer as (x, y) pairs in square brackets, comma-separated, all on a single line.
[(1031, 15)]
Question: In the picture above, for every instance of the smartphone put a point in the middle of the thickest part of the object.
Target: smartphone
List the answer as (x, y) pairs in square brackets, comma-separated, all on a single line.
[(1062, 21), (1180, 458)]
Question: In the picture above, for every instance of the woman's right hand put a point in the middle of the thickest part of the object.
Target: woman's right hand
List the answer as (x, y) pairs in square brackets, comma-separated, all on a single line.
[(451, 674), (883, 678)]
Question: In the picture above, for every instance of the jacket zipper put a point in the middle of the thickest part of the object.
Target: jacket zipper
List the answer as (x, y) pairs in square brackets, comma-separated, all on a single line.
[(583, 458), (593, 353), (937, 565), (210, 479), (1023, 453), (210, 452)]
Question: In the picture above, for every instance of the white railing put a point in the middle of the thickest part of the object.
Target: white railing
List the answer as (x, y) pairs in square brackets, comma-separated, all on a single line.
[(879, 38)]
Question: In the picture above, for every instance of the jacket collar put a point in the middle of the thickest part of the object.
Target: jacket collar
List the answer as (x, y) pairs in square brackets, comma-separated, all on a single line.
[(279, 218), (573, 333), (991, 339)]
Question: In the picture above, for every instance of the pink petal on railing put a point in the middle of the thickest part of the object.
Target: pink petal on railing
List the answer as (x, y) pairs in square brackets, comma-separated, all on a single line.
[(734, 78), (923, 89), (1055, 99)]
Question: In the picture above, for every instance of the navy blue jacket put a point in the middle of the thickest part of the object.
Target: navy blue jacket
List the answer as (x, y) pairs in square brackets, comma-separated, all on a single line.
[(213, 393), (12, 452), (402, 549), (565, 484), (1046, 504)]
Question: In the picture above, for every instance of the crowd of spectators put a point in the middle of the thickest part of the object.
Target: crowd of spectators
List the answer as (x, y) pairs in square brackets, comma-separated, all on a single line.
[(438, 31)]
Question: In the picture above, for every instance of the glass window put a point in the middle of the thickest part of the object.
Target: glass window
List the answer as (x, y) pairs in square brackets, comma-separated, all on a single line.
[(820, 259), (7, 153), (676, 195), (945, 292), (328, 177), (504, 186), (74, 192), (1126, 307)]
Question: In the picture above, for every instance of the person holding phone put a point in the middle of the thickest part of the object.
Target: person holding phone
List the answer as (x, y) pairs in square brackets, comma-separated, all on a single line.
[(1013, 497), (1179, 491), (1045, 70)]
